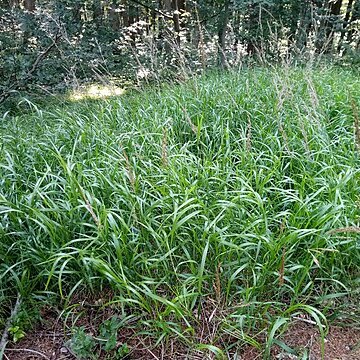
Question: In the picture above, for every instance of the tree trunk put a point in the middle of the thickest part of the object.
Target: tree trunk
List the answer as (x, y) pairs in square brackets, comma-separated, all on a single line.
[(222, 28), (174, 8), (303, 27), (29, 5), (125, 13), (131, 14), (114, 16), (321, 12), (76, 14), (331, 24), (176, 19), (355, 16), (252, 26), (345, 23)]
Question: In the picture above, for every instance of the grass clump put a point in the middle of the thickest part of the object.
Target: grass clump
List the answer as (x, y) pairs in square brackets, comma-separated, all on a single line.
[(221, 196)]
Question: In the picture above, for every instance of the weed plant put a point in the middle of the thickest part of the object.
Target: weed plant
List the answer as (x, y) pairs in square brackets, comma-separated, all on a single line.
[(233, 195)]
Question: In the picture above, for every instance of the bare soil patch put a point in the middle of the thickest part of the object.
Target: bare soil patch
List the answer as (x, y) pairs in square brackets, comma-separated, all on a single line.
[(49, 340)]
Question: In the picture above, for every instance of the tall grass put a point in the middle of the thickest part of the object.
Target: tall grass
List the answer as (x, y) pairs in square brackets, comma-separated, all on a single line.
[(222, 193)]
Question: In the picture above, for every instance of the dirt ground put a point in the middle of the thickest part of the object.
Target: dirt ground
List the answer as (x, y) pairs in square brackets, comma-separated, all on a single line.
[(48, 340)]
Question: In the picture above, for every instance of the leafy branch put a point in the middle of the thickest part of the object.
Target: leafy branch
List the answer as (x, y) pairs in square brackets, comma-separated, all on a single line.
[(22, 81)]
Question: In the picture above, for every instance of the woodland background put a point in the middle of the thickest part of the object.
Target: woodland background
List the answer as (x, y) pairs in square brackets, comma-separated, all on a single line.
[(50, 46)]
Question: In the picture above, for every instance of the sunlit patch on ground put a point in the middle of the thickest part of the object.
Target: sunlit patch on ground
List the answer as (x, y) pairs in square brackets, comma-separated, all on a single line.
[(96, 91)]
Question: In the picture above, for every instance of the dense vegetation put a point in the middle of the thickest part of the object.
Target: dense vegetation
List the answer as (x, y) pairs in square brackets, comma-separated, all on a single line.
[(236, 192), (48, 46)]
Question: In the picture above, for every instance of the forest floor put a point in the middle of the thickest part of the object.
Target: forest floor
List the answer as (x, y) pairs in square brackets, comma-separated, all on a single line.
[(48, 340)]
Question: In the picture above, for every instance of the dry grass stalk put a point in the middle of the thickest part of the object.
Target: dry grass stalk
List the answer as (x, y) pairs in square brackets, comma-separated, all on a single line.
[(283, 88), (164, 151), (284, 136), (201, 45), (282, 226), (313, 95), (282, 95), (349, 229), (89, 207), (217, 283), (210, 317), (91, 211), (282, 263), (129, 170), (131, 177), (356, 123), (303, 132), (281, 98), (194, 128), (282, 268), (248, 136)]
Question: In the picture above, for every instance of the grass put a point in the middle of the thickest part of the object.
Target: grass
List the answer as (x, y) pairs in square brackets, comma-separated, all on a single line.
[(221, 197)]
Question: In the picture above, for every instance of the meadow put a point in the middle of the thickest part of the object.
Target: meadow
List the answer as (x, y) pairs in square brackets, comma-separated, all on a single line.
[(214, 212)]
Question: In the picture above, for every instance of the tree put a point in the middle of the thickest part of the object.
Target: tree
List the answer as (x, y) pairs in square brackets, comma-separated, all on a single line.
[(223, 21), (355, 17), (117, 37), (345, 23)]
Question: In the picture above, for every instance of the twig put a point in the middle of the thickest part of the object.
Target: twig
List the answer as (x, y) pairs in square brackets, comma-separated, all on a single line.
[(308, 321), (147, 349), (31, 351), (5, 335)]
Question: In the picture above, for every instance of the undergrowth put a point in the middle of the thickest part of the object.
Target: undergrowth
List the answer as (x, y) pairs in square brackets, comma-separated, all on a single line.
[(232, 195)]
